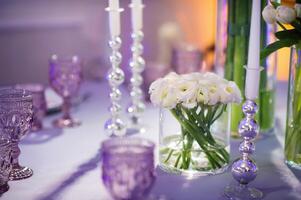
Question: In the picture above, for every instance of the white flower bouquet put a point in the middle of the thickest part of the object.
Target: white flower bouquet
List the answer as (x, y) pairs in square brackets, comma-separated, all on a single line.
[(196, 101)]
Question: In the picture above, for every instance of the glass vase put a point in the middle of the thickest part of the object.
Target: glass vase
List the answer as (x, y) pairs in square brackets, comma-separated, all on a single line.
[(198, 146), (232, 38), (293, 122)]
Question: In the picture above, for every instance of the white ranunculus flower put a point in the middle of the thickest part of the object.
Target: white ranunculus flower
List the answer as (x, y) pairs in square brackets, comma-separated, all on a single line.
[(195, 76), (163, 94), (298, 10), (269, 14), (191, 89), (213, 93), (172, 76), (186, 91), (285, 14), (230, 93), (213, 78), (203, 94)]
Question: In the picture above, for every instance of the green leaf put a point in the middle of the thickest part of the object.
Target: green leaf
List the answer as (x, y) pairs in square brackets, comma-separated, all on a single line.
[(288, 34), (276, 46), (275, 4), (296, 25)]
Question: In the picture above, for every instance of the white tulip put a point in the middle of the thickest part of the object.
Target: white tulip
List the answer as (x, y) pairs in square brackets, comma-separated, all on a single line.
[(285, 14), (269, 14), (298, 10)]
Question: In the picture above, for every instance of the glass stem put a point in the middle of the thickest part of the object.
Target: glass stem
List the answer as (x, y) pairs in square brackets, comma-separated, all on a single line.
[(15, 153), (66, 107)]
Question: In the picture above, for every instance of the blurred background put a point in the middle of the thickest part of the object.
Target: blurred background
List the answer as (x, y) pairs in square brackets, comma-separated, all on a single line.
[(32, 30)]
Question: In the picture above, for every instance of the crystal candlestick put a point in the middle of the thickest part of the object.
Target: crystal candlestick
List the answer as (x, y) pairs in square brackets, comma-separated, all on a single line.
[(115, 126), (244, 170), (137, 65)]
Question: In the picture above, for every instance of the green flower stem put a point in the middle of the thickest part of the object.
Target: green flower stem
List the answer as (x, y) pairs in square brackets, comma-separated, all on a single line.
[(293, 133), (237, 49), (206, 129), (197, 137), (266, 101), (196, 126), (187, 147)]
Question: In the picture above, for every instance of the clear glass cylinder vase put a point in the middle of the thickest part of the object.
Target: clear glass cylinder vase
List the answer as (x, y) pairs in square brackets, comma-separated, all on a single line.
[(195, 142), (293, 122), (231, 55)]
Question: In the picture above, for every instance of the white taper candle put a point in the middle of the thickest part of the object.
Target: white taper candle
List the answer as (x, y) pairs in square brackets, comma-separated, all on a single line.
[(253, 66), (114, 17), (137, 14)]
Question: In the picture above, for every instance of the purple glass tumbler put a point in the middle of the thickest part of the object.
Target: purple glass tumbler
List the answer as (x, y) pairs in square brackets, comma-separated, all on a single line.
[(16, 111), (39, 103), (5, 162), (186, 59), (128, 167), (65, 76)]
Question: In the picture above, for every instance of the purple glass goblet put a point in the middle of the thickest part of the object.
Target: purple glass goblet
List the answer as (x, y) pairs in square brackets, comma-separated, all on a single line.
[(39, 103), (16, 111), (128, 167), (5, 163), (65, 76)]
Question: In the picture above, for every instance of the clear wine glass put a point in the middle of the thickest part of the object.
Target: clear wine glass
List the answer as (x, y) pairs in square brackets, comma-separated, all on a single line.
[(65, 76), (16, 111)]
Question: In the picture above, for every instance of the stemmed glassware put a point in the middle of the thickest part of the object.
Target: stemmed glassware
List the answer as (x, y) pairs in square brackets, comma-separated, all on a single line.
[(16, 111), (65, 76), (128, 167), (5, 162), (39, 103)]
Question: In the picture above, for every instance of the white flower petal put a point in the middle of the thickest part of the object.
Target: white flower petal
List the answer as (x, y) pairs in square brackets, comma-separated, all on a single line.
[(269, 14), (285, 14)]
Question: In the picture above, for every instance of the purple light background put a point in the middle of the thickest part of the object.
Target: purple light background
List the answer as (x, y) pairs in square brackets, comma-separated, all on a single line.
[(32, 30)]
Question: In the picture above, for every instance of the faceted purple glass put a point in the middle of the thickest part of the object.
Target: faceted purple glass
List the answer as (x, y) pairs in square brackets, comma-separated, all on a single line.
[(128, 167), (65, 76), (39, 103), (5, 163), (186, 59), (16, 110)]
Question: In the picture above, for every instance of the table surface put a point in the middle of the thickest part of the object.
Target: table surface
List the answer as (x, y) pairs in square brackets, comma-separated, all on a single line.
[(66, 162)]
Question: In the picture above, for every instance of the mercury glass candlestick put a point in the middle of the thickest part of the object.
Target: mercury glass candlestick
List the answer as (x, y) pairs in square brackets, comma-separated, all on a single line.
[(128, 167), (244, 170), (16, 111), (115, 126), (137, 65)]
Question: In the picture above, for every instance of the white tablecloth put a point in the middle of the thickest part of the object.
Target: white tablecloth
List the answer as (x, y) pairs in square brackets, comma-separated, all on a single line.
[(66, 162)]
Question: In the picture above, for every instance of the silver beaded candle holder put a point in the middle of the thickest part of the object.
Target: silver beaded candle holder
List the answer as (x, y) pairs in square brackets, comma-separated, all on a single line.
[(244, 170), (137, 65), (115, 126)]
